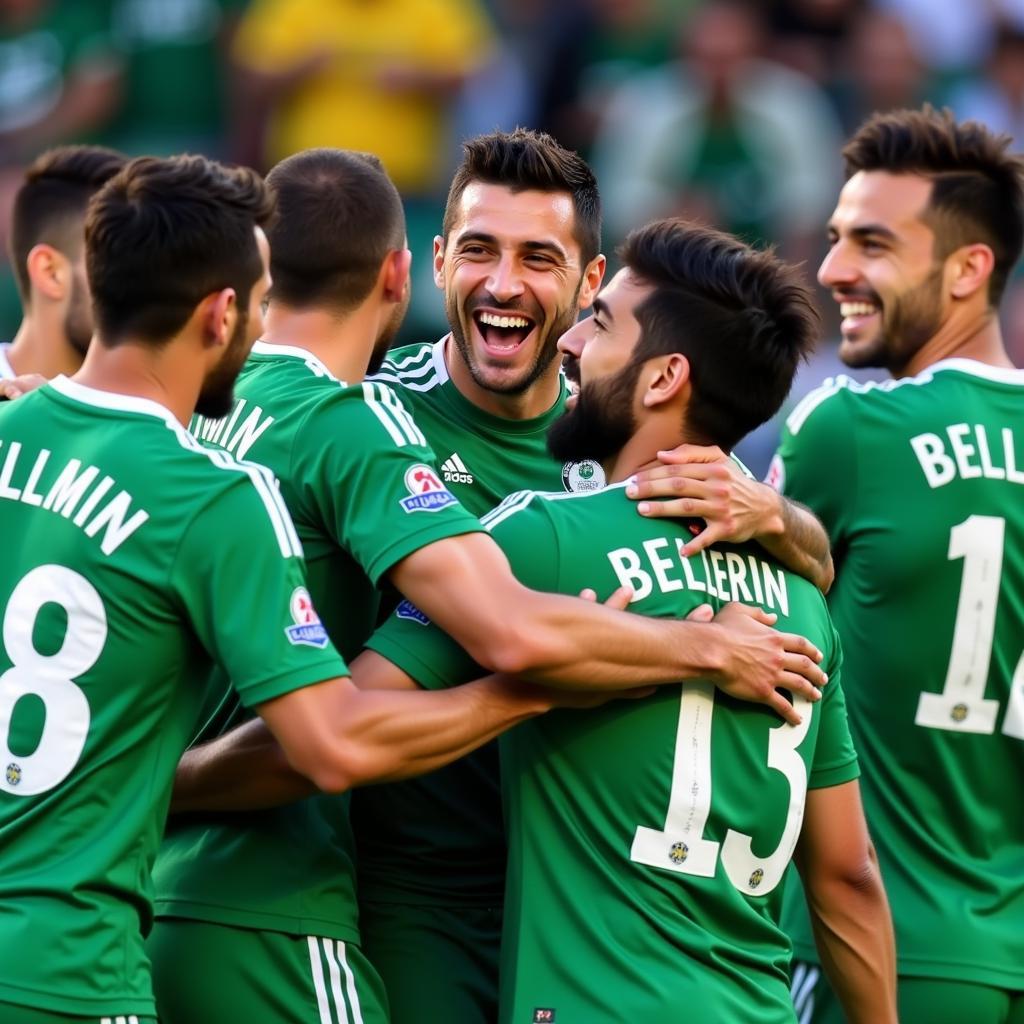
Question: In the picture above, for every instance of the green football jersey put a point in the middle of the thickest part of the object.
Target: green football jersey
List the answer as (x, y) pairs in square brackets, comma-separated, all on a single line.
[(648, 839), (440, 837), (135, 560), (359, 480), (916, 481)]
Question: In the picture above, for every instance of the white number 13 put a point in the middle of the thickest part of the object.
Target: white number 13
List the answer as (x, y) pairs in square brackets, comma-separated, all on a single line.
[(681, 845)]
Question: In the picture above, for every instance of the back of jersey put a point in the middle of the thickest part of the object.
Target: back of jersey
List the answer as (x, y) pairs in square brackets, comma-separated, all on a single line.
[(110, 598), (920, 485), (648, 839)]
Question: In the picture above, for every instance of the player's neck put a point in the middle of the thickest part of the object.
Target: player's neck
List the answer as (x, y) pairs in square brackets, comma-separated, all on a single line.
[(641, 450), (43, 349), (978, 338), (168, 375), (342, 343), (536, 400)]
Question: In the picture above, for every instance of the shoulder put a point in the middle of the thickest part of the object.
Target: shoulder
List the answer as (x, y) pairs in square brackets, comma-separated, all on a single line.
[(414, 369), (528, 507)]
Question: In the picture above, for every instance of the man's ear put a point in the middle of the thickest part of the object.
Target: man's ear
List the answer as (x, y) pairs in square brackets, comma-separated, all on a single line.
[(218, 315), (970, 268), (664, 379), (395, 280), (439, 261), (49, 271), (593, 275)]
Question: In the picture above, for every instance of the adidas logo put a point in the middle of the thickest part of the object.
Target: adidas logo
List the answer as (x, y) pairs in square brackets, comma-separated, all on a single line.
[(454, 470)]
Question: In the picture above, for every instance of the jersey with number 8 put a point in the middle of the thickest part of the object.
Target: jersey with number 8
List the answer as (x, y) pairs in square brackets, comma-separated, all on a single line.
[(648, 840), (920, 483), (132, 560)]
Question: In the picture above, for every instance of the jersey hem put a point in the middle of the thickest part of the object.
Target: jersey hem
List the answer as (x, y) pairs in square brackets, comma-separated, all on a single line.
[(288, 682), (73, 1006), (828, 777), (234, 918), (907, 967), (412, 543), (412, 666)]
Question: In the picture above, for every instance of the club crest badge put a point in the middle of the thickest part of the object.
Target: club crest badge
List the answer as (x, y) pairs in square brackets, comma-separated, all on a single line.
[(585, 475)]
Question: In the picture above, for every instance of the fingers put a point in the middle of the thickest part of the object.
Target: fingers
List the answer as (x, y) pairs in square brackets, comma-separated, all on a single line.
[(750, 611), (708, 536), (692, 453), (795, 644), (702, 613), (799, 685), (783, 708), (620, 598), (588, 595)]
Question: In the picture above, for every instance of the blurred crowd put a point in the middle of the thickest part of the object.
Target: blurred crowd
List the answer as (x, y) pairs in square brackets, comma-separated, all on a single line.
[(732, 112)]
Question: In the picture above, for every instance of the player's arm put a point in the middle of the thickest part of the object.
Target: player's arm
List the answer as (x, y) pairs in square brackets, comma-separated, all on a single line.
[(847, 903), (694, 482), (378, 726), (466, 586)]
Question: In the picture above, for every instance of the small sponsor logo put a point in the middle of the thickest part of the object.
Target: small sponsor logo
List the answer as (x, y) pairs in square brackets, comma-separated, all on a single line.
[(407, 610), (426, 492), (543, 1015), (454, 470), (582, 476), (959, 713), (308, 629), (678, 852), (756, 878), (13, 774)]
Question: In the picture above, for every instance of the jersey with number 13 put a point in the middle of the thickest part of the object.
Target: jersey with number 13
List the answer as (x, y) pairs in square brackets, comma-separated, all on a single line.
[(920, 483)]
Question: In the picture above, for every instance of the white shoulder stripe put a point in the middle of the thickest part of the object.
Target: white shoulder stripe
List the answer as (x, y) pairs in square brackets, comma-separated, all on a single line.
[(393, 416), (810, 402), (510, 506), (266, 487)]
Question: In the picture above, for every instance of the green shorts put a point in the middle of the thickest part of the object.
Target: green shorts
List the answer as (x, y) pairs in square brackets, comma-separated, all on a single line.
[(439, 963), (206, 973), (11, 1014), (921, 1000)]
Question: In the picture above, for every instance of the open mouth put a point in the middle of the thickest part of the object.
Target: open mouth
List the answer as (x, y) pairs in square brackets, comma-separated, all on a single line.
[(503, 334), (856, 314)]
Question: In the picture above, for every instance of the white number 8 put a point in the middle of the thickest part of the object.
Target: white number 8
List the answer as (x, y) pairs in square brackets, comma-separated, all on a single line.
[(49, 676)]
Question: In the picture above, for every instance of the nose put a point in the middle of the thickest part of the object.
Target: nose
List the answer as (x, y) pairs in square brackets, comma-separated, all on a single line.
[(838, 268), (574, 341), (505, 282)]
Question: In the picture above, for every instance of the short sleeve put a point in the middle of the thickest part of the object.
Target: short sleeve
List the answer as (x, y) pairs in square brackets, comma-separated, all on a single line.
[(376, 479), (816, 460), (425, 652), (239, 574), (835, 759)]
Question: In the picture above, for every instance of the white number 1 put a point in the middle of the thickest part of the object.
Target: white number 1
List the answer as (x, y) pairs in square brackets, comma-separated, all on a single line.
[(962, 705), (681, 846)]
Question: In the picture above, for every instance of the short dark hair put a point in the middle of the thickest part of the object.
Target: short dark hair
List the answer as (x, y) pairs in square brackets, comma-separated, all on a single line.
[(338, 217), (742, 317), (977, 185), (49, 207), (163, 234), (526, 159)]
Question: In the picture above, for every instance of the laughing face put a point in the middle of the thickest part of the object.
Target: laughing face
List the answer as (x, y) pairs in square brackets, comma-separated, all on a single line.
[(513, 280), (882, 269)]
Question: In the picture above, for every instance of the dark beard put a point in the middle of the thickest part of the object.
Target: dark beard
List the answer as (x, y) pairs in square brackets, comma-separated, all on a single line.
[(602, 421), (218, 393)]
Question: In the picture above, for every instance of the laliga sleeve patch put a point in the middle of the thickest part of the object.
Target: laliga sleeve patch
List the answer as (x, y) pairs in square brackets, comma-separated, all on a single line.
[(308, 629), (426, 492), (407, 610), (776, 477)]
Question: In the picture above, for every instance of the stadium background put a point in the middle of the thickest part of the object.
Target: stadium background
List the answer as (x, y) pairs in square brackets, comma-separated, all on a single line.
[(758, 97)]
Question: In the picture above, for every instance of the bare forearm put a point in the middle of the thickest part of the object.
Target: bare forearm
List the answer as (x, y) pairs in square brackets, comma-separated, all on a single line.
[(854, 936), (354, 737), (797, 539)]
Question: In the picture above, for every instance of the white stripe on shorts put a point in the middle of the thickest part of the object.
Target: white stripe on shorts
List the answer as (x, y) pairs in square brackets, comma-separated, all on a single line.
[(346, 1007), (801, 991)]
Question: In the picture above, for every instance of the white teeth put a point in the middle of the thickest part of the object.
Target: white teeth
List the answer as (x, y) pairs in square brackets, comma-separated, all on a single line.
[(492, 320), (857, 308)]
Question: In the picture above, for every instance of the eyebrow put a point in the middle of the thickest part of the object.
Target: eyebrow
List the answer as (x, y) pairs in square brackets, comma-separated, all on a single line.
[(530, 245), (867, 230), (601, 309)]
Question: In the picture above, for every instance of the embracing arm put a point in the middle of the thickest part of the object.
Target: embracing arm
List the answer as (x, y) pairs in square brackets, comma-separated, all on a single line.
[(467, 588), (694, 482), (847, 903), (333, 735)]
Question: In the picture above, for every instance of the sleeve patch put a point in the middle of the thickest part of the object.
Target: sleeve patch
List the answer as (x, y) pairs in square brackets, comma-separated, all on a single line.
[(308, 630), (426, 492), (407, 610)]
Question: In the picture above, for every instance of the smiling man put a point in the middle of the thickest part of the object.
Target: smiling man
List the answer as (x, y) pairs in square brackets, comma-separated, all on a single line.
[(918, 481)]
